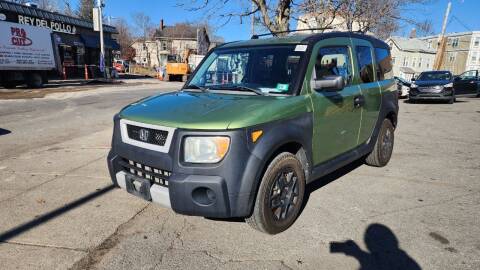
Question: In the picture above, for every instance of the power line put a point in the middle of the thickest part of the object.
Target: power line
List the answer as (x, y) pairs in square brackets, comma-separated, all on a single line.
[(461, 23)]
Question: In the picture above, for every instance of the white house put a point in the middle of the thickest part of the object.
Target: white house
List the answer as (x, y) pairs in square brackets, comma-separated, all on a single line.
[(410, 56)]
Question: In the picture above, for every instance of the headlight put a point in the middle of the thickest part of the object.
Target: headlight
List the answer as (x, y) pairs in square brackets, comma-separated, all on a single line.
[(205, 149), (413, 85), (448, 85)]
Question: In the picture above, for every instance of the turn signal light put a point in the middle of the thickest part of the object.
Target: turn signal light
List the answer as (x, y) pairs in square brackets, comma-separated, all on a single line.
[(256, 134)]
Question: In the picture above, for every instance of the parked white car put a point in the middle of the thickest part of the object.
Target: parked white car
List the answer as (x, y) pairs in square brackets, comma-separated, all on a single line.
[(403, 87)]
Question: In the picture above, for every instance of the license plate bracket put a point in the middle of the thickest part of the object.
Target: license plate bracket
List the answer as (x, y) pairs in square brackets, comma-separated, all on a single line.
[(138, 187)]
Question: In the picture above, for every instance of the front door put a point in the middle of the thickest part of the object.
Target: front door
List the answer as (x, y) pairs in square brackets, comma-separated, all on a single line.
[(336, 119), (466, 83)]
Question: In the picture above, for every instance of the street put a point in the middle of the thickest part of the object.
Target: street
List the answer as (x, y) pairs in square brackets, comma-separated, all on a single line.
[(60, 211)]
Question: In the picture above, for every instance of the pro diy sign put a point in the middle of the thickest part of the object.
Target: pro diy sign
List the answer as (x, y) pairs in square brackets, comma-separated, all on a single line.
[(46, 23)]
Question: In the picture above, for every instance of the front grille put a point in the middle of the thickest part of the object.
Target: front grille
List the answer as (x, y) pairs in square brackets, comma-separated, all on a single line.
[(430, 89), (155, 175), (147, 135)]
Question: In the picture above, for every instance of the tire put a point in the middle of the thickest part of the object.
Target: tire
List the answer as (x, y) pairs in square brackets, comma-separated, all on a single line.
[(412, 101), (287, 191), (9, 84), (382, 151), (34, 80), (451, 101)]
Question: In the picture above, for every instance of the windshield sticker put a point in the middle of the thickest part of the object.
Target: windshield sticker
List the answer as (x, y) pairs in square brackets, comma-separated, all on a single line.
[(282, 87), (301, 48)]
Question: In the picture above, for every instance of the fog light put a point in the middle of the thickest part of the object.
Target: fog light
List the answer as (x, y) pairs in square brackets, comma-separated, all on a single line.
[(204, 196)]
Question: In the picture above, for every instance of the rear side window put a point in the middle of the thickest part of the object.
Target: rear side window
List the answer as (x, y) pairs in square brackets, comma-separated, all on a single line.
[(365, 64), (384, 64)]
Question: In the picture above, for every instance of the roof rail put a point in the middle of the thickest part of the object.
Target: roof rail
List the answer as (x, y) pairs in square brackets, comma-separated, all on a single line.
[(289, 31)]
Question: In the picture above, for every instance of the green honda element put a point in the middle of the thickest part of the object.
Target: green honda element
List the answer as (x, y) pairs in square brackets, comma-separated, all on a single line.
[(256, 122)]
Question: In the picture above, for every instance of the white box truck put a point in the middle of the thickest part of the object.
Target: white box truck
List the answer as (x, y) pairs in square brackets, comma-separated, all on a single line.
[(27, 55)]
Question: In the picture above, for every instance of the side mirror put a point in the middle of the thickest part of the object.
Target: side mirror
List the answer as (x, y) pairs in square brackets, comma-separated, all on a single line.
[(457, 79), (328, 83), (413, 79)]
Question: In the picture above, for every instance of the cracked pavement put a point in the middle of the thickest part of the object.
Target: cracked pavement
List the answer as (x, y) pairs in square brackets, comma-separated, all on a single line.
[(59, 210)]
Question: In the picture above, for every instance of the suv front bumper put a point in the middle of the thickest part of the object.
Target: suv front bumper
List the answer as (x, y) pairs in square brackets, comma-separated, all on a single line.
[(445, 94), (222, 190)]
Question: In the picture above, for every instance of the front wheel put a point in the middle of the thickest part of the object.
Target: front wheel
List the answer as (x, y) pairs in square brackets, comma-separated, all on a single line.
[(382, 151), (280, 196)]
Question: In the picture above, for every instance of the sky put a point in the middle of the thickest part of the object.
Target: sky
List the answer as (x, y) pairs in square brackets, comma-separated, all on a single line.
[(464, 15)]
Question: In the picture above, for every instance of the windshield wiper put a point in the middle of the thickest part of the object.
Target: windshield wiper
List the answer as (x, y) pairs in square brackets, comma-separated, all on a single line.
[(194, 86), (243, 88)]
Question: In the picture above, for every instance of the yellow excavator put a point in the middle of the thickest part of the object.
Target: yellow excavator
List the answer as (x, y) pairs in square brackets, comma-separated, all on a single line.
[(178, 70)]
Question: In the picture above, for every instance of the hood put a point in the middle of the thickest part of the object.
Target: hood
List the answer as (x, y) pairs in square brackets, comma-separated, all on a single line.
[(432, 83), (211, 111)]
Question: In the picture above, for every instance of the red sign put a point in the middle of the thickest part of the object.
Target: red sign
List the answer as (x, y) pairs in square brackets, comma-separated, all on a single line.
[(19, 37)]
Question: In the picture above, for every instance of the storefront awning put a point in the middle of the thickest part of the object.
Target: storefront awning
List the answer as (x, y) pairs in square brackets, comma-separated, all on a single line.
[(92, 41)]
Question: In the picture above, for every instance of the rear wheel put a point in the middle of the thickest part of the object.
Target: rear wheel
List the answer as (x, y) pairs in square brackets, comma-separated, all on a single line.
[(280, 195), (34, 80), (383, 148)]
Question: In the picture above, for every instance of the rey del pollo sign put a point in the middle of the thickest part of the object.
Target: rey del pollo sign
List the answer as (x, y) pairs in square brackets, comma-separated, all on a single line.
[(50, 24)]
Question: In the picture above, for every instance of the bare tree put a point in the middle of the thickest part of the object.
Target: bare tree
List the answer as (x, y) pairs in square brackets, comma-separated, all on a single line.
[(425, 28), (49, 5), (381, 17), (145, 29), (124, 38), (67, 8), (85, 9), (274, 15)]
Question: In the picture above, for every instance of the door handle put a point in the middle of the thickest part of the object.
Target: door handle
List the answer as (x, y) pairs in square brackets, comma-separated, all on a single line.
[(358, 101)]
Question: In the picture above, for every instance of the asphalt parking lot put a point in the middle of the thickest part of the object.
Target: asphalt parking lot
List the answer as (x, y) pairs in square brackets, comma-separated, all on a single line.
[(59, 211)]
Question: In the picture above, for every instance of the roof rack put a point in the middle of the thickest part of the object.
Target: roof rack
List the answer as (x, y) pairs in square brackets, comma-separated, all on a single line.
[(289, 31)]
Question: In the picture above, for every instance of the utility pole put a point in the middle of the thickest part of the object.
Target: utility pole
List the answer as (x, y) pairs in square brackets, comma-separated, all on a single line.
[(442, 41), (100, 5), (253, 20)]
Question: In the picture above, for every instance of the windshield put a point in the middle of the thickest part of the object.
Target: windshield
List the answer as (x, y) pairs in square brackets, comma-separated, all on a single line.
[(435, 76), (263, 70)]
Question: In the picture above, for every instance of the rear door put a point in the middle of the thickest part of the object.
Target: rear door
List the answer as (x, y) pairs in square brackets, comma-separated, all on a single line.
[(369, 87), (336, 119)]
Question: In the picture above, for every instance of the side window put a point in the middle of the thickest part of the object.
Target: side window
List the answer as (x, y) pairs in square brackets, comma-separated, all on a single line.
[(365, 64), (384, 64), (333, 61), (468, 75)]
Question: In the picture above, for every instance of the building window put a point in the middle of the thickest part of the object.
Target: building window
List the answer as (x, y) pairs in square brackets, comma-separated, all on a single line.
[(476, 42), (455, 42), (474, 58), (164, 46), (420, 62), (393, 60), (428, 63), (405, 61), (414, 62), (429, 44), (451, 57)]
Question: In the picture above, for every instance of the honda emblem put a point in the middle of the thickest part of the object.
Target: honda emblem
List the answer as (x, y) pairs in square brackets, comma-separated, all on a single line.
[(143, 134)]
